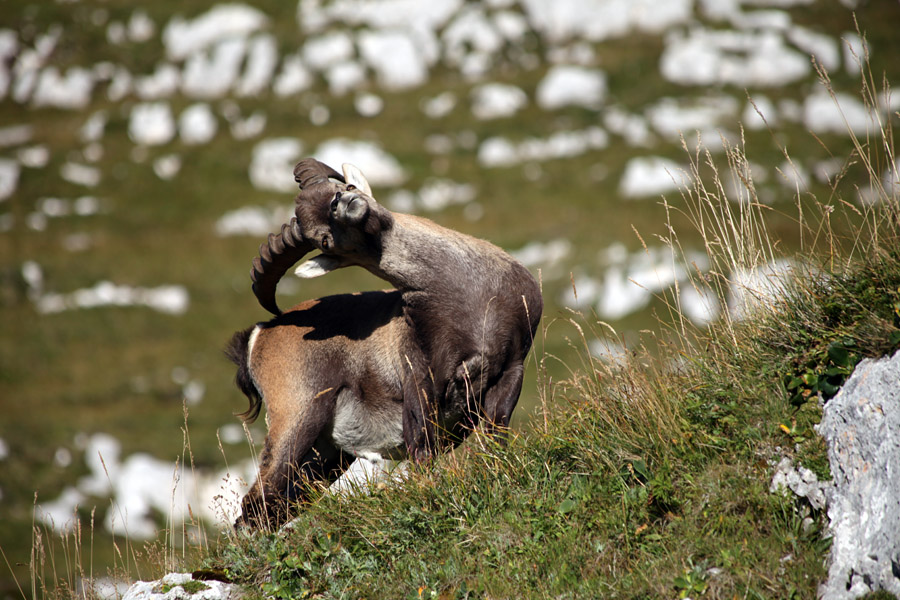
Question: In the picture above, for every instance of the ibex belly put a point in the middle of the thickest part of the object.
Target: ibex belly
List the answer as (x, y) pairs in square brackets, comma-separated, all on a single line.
[(368, 430)]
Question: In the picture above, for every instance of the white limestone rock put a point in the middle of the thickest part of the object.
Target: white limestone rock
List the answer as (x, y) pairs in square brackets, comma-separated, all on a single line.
[(93, 128), (322, 52), (439, 106), (197, 124), (634, 129), (183, 38), (252, 220), (168, 299), (380, 168), (471, 41), (841, 114), (367, 474), (562, 20), (501, 152), (497, 100), (293, 78), (212, 74), (151, 124), (818, 45), (244, 128), (80, 174), (272, 164), (699, 304), (368, 105), (9, 46), (262, 59), (651, 176), (759, 287), (801, 481), (167, 166), (571, 85), (34, 157), (547, 255), (395, 57), (163, 83), (140, 28), (855, 50), (315, 15), (746, 59), (15, 135), (861, 427), (9, 177), (71, 90), (345, 77), (174, 584), (704, 116), (760, 113)]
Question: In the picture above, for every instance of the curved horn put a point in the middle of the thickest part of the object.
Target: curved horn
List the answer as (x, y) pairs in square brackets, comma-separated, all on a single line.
[(276, 256), (310, 171)]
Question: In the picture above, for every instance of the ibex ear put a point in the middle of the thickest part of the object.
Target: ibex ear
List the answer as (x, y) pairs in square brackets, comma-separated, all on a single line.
[(355, 177), (318, 266)]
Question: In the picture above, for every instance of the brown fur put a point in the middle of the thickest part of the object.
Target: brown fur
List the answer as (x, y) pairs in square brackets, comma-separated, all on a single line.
[(316, 367)]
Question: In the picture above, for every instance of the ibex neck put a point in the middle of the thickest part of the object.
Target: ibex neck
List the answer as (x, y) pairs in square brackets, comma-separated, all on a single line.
[(418, 254)]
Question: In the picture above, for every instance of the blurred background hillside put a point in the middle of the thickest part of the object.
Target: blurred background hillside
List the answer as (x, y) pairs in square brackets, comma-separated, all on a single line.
[(146, 150)]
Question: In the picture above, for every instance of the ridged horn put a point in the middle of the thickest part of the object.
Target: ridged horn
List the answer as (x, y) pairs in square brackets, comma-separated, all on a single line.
[(276, 256), (310, 171)]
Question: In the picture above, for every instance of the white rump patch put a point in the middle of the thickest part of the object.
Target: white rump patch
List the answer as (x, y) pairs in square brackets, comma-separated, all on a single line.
[(252, 342)]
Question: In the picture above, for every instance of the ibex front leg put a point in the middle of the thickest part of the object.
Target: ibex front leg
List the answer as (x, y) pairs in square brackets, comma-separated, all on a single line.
[(419, 410), (501, 398)]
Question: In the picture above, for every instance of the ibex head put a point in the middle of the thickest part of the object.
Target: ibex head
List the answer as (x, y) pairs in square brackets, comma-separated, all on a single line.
[(335, 214)]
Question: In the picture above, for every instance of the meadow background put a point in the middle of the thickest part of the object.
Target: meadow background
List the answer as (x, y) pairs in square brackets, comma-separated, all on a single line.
[(145, 150)]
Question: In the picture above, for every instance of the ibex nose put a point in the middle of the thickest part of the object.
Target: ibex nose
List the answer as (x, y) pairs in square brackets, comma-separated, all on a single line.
[(334, 202)]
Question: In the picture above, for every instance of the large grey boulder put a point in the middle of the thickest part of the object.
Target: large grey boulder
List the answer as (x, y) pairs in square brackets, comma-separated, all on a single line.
[(861, 427)]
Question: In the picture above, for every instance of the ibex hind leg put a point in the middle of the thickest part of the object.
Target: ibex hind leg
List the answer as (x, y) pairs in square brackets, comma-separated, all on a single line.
[(294, 459)]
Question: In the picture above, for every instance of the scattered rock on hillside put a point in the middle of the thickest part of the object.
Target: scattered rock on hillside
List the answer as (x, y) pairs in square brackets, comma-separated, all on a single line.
[(861, 427), (802, 482), (177, 586)]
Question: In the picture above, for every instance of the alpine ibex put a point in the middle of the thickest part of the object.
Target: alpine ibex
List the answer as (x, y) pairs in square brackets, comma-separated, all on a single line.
[(471, 310)]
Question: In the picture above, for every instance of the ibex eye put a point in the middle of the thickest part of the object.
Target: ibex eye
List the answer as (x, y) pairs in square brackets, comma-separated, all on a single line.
[(351, 187), (325, 243)]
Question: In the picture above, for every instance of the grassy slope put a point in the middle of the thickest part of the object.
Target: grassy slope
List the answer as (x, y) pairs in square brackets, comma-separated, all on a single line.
[(646, 480)]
